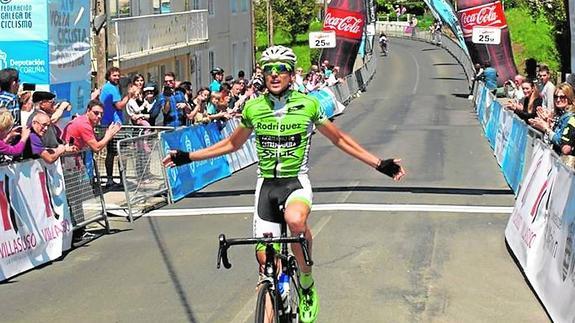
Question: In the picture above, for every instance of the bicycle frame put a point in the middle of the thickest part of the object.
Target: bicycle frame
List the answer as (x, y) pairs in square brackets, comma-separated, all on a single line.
[(288, 264)]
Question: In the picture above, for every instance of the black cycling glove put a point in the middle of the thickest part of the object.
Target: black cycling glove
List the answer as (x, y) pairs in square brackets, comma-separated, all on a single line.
[(388, 167), (181, 157)]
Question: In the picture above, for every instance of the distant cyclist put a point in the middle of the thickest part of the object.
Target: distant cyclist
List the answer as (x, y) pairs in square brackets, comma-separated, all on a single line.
[(283, 121), (383, 43)]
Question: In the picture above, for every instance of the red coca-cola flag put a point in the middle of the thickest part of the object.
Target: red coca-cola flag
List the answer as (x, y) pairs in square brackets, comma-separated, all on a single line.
[(347, 19), (345, 23), (486, 13)]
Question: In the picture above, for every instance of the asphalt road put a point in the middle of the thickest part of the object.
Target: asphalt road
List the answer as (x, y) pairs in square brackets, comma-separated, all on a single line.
[(418, 255)]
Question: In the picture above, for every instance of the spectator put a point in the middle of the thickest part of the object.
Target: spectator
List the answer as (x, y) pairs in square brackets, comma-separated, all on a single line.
[(137, 107), (7, 135), (175, 106), (513, 88), (36, 148), (235, 93), (531, 68), (9, 83), (413, 23), (44, 104), (298, 80), (26, 106), (229, 80), (435, 29), (558, 126), (138, 80), (113, 105), (199, 110), (218, 75), (490, 77), (154, 105), (527, 109), (82, 128), (241, 76), (548, 88)]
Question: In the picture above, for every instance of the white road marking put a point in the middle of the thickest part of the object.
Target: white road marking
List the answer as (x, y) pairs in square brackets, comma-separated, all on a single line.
[(416, 74), (341, 207)]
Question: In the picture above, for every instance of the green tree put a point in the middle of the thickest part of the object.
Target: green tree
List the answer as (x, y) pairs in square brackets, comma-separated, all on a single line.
[(290, 16)]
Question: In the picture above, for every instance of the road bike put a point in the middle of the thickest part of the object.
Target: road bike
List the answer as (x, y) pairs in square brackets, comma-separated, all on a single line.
[(281, 301)]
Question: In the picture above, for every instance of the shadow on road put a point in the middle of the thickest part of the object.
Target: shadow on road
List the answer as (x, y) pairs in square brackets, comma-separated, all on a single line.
[(172, 272), (415, 190)]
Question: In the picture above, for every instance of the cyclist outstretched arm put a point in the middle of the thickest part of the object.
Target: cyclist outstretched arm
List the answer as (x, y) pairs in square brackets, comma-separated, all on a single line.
[(230, 144), (344, 142)]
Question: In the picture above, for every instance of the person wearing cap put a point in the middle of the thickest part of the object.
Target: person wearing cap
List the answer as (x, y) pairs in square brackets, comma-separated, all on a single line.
[(9, 83), (43, 103), (218, 75), (283, 121), (35, 148)]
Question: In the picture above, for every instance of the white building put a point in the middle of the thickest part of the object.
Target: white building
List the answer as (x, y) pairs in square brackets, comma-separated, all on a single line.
[(187, 37)]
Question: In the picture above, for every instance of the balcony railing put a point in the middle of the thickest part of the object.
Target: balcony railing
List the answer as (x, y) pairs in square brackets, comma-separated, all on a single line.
[(134, 37)]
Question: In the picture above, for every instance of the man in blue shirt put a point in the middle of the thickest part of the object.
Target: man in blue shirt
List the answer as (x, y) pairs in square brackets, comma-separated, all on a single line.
[(113, 105), (173, 101), (218, 75), (9, 82), (490, 75)]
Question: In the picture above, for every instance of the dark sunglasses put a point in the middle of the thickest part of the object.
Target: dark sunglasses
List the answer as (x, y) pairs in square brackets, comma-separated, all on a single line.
[(277, 68), (560, 97), (97, 113)]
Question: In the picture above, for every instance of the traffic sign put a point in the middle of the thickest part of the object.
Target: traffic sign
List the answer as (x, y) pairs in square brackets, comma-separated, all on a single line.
[(322, 39), (486, 35)]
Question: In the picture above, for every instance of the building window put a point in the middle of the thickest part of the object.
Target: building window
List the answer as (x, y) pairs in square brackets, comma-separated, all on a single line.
[(245, 5), (211, 62), (178, 71), (120, 8), (235, 59), (195, 4), (162, 6), (234, 6), (211, 9)]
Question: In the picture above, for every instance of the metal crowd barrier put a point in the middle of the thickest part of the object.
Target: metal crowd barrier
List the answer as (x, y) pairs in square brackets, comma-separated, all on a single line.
[(127, 131), (143, 174), (84, 190)]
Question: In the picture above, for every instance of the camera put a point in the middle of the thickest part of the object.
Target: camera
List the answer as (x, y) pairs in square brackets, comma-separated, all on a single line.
[(168, 91)]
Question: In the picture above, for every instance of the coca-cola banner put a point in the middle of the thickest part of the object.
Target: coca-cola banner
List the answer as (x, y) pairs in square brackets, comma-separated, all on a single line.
[(347, 19), (442, 10), (486, 13)]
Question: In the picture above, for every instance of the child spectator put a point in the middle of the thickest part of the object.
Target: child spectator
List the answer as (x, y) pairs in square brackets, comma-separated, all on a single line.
[(138, 112)]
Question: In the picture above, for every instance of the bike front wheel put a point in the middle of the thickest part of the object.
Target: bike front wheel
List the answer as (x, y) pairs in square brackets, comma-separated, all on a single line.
[(267, 305)]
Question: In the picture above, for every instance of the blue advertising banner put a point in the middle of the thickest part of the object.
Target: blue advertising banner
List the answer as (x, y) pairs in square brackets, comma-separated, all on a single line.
[(327, 101), (514, 155), (69, 39), (22, 20), (30, 58), (192, 177), (493, 123)]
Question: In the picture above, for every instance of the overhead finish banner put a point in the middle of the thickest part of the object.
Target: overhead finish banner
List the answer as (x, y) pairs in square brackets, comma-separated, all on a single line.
[(442, 10)]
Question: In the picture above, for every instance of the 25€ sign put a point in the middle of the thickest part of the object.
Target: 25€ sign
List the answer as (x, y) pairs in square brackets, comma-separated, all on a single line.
[(322, 39), (486, 35)]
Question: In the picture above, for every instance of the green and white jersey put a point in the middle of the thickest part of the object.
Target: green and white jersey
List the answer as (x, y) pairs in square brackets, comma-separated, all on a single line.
[(283, 129)]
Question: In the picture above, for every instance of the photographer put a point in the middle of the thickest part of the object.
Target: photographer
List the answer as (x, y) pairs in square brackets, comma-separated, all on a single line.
[(175, 106)]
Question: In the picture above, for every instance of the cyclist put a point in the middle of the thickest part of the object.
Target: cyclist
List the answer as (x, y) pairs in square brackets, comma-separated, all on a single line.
[(283, 121), (383, 43)]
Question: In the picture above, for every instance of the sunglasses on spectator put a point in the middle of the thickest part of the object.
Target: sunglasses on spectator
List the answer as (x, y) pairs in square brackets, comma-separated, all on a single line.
[(97, 113), (43, 125), (277, 68), (560, 97)]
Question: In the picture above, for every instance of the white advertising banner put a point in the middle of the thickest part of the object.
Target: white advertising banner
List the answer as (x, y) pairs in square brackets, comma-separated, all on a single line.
[(541, 232), (35, 222), (503, 132)]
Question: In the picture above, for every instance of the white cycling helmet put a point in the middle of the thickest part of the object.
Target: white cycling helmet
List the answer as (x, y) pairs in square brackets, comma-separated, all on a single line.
[(278, 54)]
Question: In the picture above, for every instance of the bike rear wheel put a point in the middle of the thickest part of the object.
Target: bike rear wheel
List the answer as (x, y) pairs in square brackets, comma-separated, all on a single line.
[(267, 298)]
